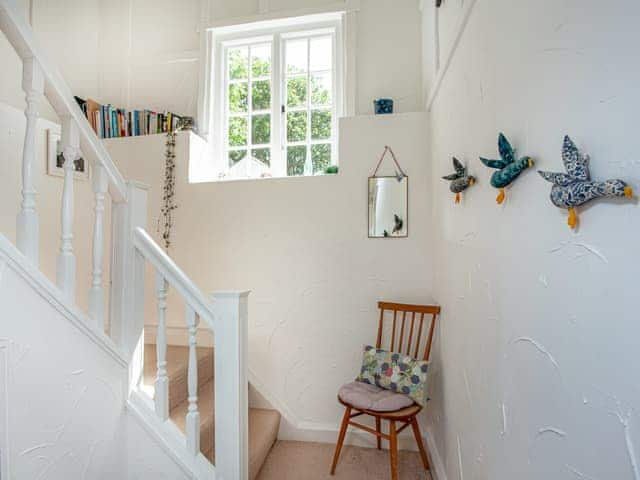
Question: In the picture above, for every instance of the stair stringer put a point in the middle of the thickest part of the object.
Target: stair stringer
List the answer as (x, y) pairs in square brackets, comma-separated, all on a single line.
[(65, 386)]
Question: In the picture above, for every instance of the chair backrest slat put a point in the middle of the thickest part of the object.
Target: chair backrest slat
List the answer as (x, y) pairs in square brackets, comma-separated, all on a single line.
[(404, 318), (393, 330), (433, 310), (413, 321), (419, 337)]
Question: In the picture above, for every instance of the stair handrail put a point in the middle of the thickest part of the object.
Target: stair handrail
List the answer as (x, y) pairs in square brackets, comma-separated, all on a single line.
[(56, 90), (173, 274), (226, 315), (131, 247)]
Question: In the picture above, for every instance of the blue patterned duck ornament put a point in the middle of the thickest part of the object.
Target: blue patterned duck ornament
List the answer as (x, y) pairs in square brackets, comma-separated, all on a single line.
[(460, 180), (575, 187), (508, 168)]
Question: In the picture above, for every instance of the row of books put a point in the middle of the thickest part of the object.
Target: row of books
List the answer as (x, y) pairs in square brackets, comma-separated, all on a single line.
[(110, 122)]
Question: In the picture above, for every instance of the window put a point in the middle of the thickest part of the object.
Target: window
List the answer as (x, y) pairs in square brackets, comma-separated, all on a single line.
[(277, 98)]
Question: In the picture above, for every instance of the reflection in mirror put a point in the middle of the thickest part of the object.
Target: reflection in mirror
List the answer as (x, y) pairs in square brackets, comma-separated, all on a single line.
[(388, 208)]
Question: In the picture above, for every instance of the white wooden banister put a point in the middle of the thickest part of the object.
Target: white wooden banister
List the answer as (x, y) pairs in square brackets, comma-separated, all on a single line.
[(127, 271), (163, 263), (131, 246), (66, 264), (161, 397), (96, 292), (21, 37), (227, 317), (27, 224), (193, 416)]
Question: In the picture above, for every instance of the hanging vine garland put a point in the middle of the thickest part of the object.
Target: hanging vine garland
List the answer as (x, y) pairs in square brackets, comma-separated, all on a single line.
[(169, 189)]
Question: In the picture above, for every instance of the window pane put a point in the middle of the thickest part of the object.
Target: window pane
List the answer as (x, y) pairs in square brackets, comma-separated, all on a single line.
[(261, 60), (296, 157), (261, 95), (297, 92), (262, 154), (238, 97), (296, 54), (238, 61), (321, 54), (321, 89), (320, 157), (296, 126), (320, 124), (235, 156), (237, 131), (261, 129)]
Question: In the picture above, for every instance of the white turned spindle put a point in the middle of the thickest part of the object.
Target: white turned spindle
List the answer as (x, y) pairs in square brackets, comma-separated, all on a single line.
[(27, 225), (66, 266), (161, 397), (96, 292), (193, 417)]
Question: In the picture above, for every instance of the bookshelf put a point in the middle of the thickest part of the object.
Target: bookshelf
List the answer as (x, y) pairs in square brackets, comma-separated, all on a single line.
[(111, 122)]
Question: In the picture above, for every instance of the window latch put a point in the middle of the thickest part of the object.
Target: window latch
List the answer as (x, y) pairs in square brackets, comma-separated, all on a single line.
[(283, 109)]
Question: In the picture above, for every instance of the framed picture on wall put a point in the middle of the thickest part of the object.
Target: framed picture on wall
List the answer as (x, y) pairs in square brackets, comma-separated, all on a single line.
[(55, 159)]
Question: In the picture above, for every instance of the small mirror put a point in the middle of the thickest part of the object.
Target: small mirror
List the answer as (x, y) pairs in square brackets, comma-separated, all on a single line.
[(388, 209)]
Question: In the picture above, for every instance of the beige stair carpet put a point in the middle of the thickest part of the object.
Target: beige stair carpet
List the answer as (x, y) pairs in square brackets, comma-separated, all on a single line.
[(311, 461), (263, 424)]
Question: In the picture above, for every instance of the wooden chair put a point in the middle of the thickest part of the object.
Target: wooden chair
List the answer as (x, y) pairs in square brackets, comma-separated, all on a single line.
[(405, 416)]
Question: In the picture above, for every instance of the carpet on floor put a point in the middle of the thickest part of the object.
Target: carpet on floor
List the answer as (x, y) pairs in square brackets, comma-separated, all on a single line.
[(311, 461)]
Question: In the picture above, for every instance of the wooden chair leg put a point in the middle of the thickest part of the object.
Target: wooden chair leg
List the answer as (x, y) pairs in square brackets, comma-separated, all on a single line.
[(393, 449), (418, 435), (343, 431), (378, 439)]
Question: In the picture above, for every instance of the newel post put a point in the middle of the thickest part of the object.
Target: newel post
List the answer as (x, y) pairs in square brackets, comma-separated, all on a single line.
[(231, 385), (27, 224), (127, 277)]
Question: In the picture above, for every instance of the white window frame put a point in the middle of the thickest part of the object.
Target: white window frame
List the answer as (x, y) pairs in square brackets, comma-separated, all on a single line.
[(212, 119)]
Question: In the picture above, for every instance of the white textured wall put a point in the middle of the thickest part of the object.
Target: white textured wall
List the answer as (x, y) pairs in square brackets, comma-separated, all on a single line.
[(145, 53), (300, 244), (63, 398), (539, 335)]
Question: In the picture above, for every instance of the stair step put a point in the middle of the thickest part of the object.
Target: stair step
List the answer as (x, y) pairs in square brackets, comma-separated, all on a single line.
[(263, 428), (263, 423), (177, 368), (205, 408), (263, 432)]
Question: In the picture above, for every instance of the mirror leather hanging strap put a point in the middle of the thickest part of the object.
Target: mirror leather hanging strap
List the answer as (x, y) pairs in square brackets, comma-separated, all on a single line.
[(387, 148)]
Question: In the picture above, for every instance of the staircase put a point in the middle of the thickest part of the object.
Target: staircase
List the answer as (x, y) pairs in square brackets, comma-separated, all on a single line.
[(263, 424), (169, 390)]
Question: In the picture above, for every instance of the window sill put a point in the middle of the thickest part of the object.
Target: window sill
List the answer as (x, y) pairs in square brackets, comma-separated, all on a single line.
[(254, 179)]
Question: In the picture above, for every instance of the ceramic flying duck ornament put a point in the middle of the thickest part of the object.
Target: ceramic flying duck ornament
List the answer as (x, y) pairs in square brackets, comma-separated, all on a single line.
[(460, 180), (575, 187), (508, 168)]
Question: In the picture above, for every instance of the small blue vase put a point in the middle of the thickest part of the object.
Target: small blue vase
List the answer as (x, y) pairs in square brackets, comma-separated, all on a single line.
[(383, 106)]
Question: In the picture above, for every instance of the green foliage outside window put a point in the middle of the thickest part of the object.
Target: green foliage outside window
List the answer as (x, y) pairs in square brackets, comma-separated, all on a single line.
[(296, 122)]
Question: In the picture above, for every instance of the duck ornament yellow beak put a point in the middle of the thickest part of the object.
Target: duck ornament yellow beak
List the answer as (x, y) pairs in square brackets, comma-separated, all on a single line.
[(628, 192)]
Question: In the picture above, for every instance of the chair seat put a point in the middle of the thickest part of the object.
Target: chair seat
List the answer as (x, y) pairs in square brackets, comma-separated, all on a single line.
[(364, 396)]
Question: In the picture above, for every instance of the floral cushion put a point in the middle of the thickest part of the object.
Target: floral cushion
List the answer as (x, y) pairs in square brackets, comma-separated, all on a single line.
[(396, 372)]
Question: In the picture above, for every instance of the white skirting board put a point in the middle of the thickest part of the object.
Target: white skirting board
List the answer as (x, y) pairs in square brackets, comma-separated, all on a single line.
[(437, 467)]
